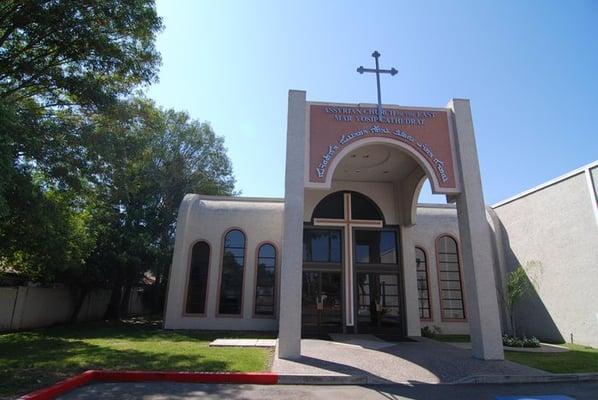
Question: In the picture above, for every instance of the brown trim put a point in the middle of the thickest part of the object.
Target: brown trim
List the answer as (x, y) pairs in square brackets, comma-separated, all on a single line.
[(422, 248), (205, 305), (276, 283), (216, 312), (463, 299)]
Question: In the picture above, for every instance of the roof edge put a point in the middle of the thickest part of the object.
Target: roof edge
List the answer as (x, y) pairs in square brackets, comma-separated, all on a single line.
[(544, 185), (241, 199)]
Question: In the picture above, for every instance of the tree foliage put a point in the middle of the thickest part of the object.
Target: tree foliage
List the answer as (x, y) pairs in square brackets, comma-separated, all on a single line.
[(518, 283), (71, 52), (91, 172)]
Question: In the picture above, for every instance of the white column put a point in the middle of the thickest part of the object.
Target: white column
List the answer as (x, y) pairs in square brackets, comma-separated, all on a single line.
[(410, 281), (476, 248), (289, 332)]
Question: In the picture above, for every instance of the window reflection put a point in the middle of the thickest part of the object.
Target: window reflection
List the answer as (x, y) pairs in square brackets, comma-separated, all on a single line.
[(322, 245), (375, 247)]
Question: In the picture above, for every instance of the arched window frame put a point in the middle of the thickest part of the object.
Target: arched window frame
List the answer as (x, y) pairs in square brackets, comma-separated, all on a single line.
[(188, 280), (276, 279), (461, 280), (427, 262), (342, 192), (222, 248)]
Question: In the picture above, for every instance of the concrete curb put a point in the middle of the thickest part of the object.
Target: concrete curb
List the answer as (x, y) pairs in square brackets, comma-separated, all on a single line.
[(312, 379), (499, 379), (257, 378)]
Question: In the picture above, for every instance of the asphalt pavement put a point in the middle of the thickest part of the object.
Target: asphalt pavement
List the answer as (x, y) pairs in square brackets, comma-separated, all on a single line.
[(193, 391)]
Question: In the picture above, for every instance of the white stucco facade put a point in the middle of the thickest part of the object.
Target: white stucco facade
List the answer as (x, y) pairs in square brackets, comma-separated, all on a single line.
[(457, 289)]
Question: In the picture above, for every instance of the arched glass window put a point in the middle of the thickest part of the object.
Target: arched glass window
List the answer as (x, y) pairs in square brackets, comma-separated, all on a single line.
[(231, 281), (364, 208), (265, 285), (423, 287), (198, 278), (331, 206), (449, 277)]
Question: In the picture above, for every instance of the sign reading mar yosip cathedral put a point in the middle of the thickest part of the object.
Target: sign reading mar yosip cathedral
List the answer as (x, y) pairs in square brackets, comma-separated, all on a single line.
[(334, 128)]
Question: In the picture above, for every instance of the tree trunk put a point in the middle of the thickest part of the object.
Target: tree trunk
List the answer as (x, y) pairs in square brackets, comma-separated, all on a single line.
[(113, 310), (79, 296), (124, 302)]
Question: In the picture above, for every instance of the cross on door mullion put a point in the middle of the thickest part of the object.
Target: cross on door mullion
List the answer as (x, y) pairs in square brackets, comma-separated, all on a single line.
[(347, 223)]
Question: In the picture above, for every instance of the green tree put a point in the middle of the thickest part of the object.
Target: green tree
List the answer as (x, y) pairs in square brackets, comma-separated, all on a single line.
[(72, 52), (145, 160), (517, 285)]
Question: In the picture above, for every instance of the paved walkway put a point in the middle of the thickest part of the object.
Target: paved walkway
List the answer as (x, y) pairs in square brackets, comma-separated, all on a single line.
[(422, 361), (243, 343)]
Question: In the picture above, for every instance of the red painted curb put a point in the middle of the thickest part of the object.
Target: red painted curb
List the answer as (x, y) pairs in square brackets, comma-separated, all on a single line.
[(60, 387), (257, 378)]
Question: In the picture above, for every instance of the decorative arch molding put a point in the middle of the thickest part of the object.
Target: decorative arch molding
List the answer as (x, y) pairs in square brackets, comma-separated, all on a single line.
[(422, 162)]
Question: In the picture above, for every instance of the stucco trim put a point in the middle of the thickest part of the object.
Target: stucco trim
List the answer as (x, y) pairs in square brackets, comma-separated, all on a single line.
[(204, 314), (423, 249), (241, 199), (276, 280), (217, 313), (463, 295)]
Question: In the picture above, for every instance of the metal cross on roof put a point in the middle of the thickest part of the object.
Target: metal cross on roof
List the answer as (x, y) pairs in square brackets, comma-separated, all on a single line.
[(378, 71)]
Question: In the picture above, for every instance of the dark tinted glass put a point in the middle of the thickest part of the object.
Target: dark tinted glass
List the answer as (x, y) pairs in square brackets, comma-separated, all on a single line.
[(321, 245), (198, 278), (451, 290), (364, 208), (332, 206), (234, 239), (375, 247), (422, 284), (233, 262), (266, 280)]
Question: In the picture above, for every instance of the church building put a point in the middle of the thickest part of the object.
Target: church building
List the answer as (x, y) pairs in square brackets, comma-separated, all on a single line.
[(350, 250)]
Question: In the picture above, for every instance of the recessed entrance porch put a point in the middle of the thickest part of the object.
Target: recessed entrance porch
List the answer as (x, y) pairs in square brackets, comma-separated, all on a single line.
[(351, 269)]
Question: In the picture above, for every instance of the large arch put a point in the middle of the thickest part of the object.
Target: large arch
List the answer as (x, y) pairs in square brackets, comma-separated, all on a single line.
[(423, 163), (411, 185)]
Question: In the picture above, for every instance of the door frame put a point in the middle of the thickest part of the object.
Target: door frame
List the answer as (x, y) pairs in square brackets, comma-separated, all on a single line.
[(320, 272), (382, 269)]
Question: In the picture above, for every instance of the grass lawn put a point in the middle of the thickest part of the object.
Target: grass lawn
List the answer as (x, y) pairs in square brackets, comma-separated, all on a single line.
[(578, 359), (33, 359)]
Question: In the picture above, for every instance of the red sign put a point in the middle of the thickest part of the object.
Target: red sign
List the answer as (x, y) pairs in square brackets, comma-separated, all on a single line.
[(423, 133)]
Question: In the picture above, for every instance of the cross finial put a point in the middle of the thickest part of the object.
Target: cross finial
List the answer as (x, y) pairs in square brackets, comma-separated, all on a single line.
[(378, 71)]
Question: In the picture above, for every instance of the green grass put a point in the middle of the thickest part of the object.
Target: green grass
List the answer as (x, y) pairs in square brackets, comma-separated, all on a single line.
[(37, 358), (452, 338), (577, 360)]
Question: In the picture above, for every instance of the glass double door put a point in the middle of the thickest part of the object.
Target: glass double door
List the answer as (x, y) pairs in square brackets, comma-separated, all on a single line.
[(322, 303), (378, 302)]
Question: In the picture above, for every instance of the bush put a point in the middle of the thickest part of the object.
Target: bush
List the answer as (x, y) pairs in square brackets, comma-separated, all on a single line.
[(524, 341), (430, 332)]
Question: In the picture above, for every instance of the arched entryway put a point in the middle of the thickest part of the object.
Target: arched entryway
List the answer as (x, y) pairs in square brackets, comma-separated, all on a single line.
[(351, 268)]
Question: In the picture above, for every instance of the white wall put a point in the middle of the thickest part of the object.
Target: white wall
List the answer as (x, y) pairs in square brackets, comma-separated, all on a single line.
[(432, 221), (209, 218), (556, 227), (33, 307)]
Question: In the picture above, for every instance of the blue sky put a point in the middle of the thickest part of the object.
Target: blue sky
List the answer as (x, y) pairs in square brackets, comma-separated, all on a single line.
[(529, 67)]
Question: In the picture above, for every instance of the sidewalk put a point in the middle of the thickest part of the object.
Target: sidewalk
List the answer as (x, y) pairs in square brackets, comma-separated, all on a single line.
[(421, 361)]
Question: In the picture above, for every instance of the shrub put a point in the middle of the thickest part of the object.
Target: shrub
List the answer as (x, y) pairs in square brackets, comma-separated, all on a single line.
[(523, 341)]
